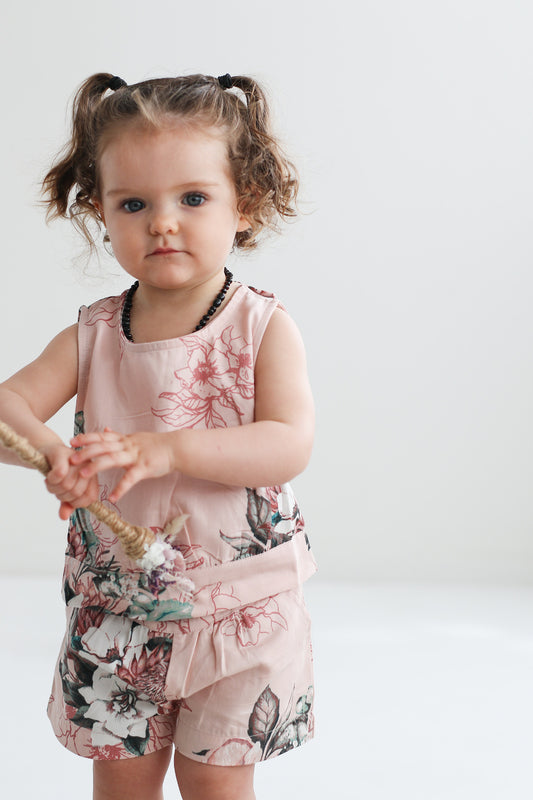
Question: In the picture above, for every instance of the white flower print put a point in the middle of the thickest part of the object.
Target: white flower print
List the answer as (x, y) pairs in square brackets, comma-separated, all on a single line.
[(110, 640), (285, 501), (116, 709)]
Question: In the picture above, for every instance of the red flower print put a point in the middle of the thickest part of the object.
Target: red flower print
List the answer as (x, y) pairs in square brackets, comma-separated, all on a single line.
[(223, 601), (148, 671), (249, 623), (196, 556), (216, 376), (109, 752), (76, 545), (105, 311), (204, 372), (239, 357), (235, 752), (89, 617), (93, 604)]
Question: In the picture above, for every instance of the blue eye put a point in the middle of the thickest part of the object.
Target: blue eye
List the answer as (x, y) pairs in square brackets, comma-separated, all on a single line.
[(194, 199), (133, 205)]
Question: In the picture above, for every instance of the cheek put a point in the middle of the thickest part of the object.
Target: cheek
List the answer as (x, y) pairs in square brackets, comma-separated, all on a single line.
[(123, 244), (226, 236), (121, 233)]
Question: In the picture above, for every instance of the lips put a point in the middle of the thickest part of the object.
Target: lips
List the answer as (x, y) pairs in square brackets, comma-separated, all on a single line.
[(164, 251)]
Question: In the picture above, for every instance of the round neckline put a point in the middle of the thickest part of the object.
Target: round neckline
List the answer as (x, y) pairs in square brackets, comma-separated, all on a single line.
[(158, 342)]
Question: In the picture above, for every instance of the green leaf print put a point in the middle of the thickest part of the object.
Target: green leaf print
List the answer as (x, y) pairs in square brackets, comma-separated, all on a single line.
[(136, 745), (244, 545), (258, 515), (80, 719), (268, 528), (146, 607)]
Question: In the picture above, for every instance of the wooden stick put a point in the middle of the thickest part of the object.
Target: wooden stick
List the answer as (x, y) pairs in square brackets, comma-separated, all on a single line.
[(134, 538)]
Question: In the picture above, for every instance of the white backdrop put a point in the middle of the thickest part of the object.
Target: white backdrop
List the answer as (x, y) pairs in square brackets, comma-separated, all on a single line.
[(409, 271)]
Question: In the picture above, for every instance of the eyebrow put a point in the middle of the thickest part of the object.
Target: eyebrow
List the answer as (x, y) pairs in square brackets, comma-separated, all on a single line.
[(182, 187)]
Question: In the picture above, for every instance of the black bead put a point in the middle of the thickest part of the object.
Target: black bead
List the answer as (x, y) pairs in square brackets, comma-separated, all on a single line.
[(128, 301), (126, 311)]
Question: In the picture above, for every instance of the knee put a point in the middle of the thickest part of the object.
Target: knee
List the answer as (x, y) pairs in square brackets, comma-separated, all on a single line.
[(199, 781), (136, 778)]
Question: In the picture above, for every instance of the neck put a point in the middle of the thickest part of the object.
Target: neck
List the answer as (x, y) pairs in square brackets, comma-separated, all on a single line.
[(151, 314)]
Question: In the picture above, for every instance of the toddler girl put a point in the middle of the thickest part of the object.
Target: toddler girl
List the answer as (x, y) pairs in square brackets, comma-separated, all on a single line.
[(193, 404)]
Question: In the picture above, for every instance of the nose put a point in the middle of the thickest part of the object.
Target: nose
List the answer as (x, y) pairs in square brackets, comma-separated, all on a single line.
[(163, 221)]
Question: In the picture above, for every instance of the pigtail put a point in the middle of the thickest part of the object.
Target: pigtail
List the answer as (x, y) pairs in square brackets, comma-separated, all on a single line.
[(75, 168), (269, 180), (256, 102)]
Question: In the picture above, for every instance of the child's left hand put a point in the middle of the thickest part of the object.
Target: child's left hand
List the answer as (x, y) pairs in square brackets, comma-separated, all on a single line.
[(142, 455)]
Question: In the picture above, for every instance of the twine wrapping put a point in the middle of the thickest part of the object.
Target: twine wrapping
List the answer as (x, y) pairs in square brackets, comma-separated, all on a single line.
[(135, 539)]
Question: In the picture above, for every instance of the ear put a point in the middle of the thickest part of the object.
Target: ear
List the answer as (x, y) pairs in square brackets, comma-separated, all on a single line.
[(243, 224), (100, 209), (243, 205)]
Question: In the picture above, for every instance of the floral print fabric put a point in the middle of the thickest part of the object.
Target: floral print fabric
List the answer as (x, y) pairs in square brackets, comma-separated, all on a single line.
[(204, 395), (108, 699), (143, 648), (118, 686)]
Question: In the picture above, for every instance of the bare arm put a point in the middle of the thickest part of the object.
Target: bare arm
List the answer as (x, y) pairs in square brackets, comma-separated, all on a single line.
[(269, 451), (277, 445), (32, 396), (36, 392)]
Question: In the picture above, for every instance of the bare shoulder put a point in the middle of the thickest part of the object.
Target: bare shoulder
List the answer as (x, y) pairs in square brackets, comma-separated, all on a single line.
[(62, 350), (49, 381), (281, 381), (281, 338)]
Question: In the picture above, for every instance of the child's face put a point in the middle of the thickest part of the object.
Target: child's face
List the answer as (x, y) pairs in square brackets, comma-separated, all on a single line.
[(169, 204)]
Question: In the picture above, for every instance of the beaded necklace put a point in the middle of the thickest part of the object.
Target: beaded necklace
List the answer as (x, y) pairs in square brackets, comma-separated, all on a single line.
[(126, 310)]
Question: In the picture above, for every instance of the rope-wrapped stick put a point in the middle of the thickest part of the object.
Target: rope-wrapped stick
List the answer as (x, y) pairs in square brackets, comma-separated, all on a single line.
[(135, 539)]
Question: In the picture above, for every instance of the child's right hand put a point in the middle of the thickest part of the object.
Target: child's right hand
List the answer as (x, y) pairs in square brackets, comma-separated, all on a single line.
[(64, 480)]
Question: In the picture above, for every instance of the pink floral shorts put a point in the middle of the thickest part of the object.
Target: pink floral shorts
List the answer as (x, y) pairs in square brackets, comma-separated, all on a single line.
[(233, 688)]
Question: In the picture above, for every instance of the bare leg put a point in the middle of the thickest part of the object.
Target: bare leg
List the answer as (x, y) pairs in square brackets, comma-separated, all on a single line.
[(132, 778), (199, 781)]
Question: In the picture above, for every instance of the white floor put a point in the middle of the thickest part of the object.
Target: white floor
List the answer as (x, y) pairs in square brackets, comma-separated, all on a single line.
[(423, 693)]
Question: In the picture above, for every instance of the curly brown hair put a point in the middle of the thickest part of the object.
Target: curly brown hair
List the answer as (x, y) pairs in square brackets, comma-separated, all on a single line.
[(266, 182)]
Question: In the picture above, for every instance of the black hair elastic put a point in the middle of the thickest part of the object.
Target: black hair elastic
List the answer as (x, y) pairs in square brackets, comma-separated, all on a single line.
[(116, 83), (226, 81)]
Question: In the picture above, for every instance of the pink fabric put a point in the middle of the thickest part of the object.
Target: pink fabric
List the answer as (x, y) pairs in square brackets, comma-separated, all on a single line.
[(241, 548), (231, 689)]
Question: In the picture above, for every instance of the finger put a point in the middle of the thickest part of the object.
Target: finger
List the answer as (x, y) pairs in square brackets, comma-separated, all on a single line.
[(81, 501), (65, 511), (90, 451), (122, 458), (57, 473), (59, 481), (60, 466), (83, 439), (73, 487), (87, 490), (128, 480)]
